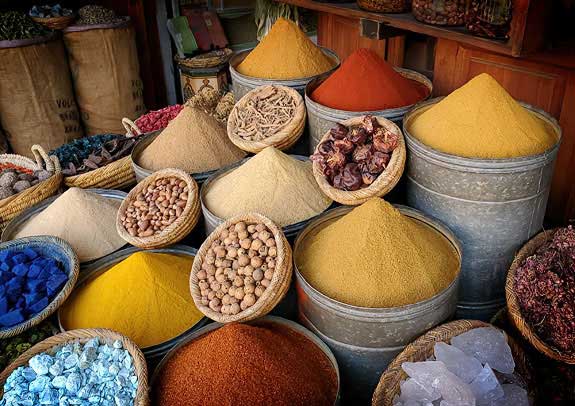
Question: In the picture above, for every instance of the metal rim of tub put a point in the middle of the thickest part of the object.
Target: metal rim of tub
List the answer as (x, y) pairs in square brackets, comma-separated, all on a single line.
[(262, 320), (102, 265), (369, 313), (483, 165), (211, 219)]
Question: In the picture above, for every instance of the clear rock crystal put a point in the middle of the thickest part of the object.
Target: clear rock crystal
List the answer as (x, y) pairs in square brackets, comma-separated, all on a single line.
[(513, 395), (456, 361), (412, 390), (486, 387), (489, 346)]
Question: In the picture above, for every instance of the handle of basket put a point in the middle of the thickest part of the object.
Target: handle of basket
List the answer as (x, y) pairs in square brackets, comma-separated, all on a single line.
[(130, 127), (56, 162), (42, 158)]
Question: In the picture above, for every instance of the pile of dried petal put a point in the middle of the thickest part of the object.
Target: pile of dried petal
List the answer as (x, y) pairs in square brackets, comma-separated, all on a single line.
[(109, 152), (216, 104), (265, 112), (353, 158), (545, 289)]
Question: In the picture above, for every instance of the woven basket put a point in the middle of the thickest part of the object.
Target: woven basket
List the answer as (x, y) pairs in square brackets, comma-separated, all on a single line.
[(51, 345), (176, 231), (16, 204), (422, 348), (55, 23), (207, 60), (384, 183), (56, 248), (116, 175), (286, 137), (275, 291), (385, 6), (513, 309)]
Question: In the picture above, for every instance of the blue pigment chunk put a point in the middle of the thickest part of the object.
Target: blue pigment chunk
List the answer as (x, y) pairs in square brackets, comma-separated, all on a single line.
[(11, 318), (39, 305)]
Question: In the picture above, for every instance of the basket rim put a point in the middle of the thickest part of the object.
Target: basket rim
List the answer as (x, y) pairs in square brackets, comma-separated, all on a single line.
[(117, 163), (73, 270)]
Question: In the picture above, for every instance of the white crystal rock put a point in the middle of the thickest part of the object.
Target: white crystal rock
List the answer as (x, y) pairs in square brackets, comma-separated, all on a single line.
[(489, 346), (412, 390), (486, 387), (456, 361), (513, 395), (434, 374)]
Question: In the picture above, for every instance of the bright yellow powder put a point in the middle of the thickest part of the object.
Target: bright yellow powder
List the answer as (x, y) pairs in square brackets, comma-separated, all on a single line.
[(285, 53), (481, 120), (144, 297), (376, 257), (271, 183)]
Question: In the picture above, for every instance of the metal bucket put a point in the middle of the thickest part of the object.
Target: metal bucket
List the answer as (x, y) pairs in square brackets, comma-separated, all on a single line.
[(262, 320), (142, 173), (154, 353), (492, 205), (360, 335), (321, 118), (242, 84)]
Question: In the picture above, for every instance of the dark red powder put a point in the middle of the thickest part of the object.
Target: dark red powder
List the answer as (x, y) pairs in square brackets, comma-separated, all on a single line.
[(240, 364), (365, 82)]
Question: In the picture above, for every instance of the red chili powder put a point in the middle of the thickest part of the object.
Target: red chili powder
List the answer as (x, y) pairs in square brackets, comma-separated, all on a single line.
[(365, 82), (240, 364)]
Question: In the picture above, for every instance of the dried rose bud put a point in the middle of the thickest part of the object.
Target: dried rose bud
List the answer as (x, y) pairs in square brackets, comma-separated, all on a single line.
[(385, 141), (378, 162), (344, 146), (357, 135), (352, 177), (335, 160), (338, 132), (361, 153), (370, 124), (325, 147), (368, 178), (337, 181)]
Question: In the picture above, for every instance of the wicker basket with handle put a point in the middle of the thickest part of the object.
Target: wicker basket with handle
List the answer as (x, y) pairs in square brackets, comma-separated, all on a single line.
[(55, 23), (273, 294), (422, 348), (52, 344), (382, 185)]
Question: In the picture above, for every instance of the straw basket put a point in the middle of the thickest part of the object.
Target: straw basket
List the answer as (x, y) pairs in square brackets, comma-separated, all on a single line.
[(55, 23), (422, 348), (513, 309), (275, 291), (14, 205), (207, 60), (284, 138), (116, 175), (58, 249), (384, 183), (385, 6), (176, 231), (52, 344)]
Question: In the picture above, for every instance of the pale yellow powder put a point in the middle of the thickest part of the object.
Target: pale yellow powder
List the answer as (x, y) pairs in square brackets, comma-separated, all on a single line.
[(481, 120), (271, 183), (374, 256), (84, 219)]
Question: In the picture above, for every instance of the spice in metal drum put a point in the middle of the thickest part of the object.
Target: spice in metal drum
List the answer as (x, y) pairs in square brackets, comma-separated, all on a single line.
[(12, 348), (240, 364), (272, 183), (96, 15), (84, 219), (145, 297), (285, 53), (157, 119), (352, 158), (77, 373), (545, 289), (374, 256), (29, 281), (15, 26), (365, 82)]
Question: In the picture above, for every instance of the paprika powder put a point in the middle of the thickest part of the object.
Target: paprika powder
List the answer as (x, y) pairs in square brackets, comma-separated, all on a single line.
[(365, 82)]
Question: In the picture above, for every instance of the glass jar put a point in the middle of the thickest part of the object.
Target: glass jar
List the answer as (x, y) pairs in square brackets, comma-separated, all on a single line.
[(489, 18), (440, 12)]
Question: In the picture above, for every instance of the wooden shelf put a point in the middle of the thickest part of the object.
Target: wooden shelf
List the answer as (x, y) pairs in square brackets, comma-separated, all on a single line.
[(407, 22)]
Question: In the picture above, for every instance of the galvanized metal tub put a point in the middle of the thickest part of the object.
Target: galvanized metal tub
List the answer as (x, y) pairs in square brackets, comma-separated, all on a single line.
[(242, 84), (262, 320), (153, 353), (360, 335), (17, 222), (492, 205), (321, 119)]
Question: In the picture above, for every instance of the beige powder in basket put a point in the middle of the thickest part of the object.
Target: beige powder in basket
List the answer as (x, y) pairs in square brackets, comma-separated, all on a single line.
[(84, 219), (194, 142), (271, 183)]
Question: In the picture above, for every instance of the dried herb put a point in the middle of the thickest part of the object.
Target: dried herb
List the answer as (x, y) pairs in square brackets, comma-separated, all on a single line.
[(12, 348), (545, 288), (109, 152), (353, 158), (95, 15), (15, 25), (79, 149)]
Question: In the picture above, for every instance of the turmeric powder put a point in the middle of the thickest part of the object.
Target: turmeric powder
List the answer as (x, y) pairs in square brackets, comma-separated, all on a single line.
[(481, 120), (374, 256), (285, 53), (144, 297)]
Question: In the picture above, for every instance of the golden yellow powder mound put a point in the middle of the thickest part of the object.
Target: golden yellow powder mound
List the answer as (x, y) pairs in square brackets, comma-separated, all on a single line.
[(481, 120), (271, 183), (144, 297), (285, 53), (374, 256)]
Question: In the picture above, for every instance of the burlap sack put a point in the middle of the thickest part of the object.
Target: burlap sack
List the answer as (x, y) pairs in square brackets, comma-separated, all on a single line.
[(37, 103), (106, 73)]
